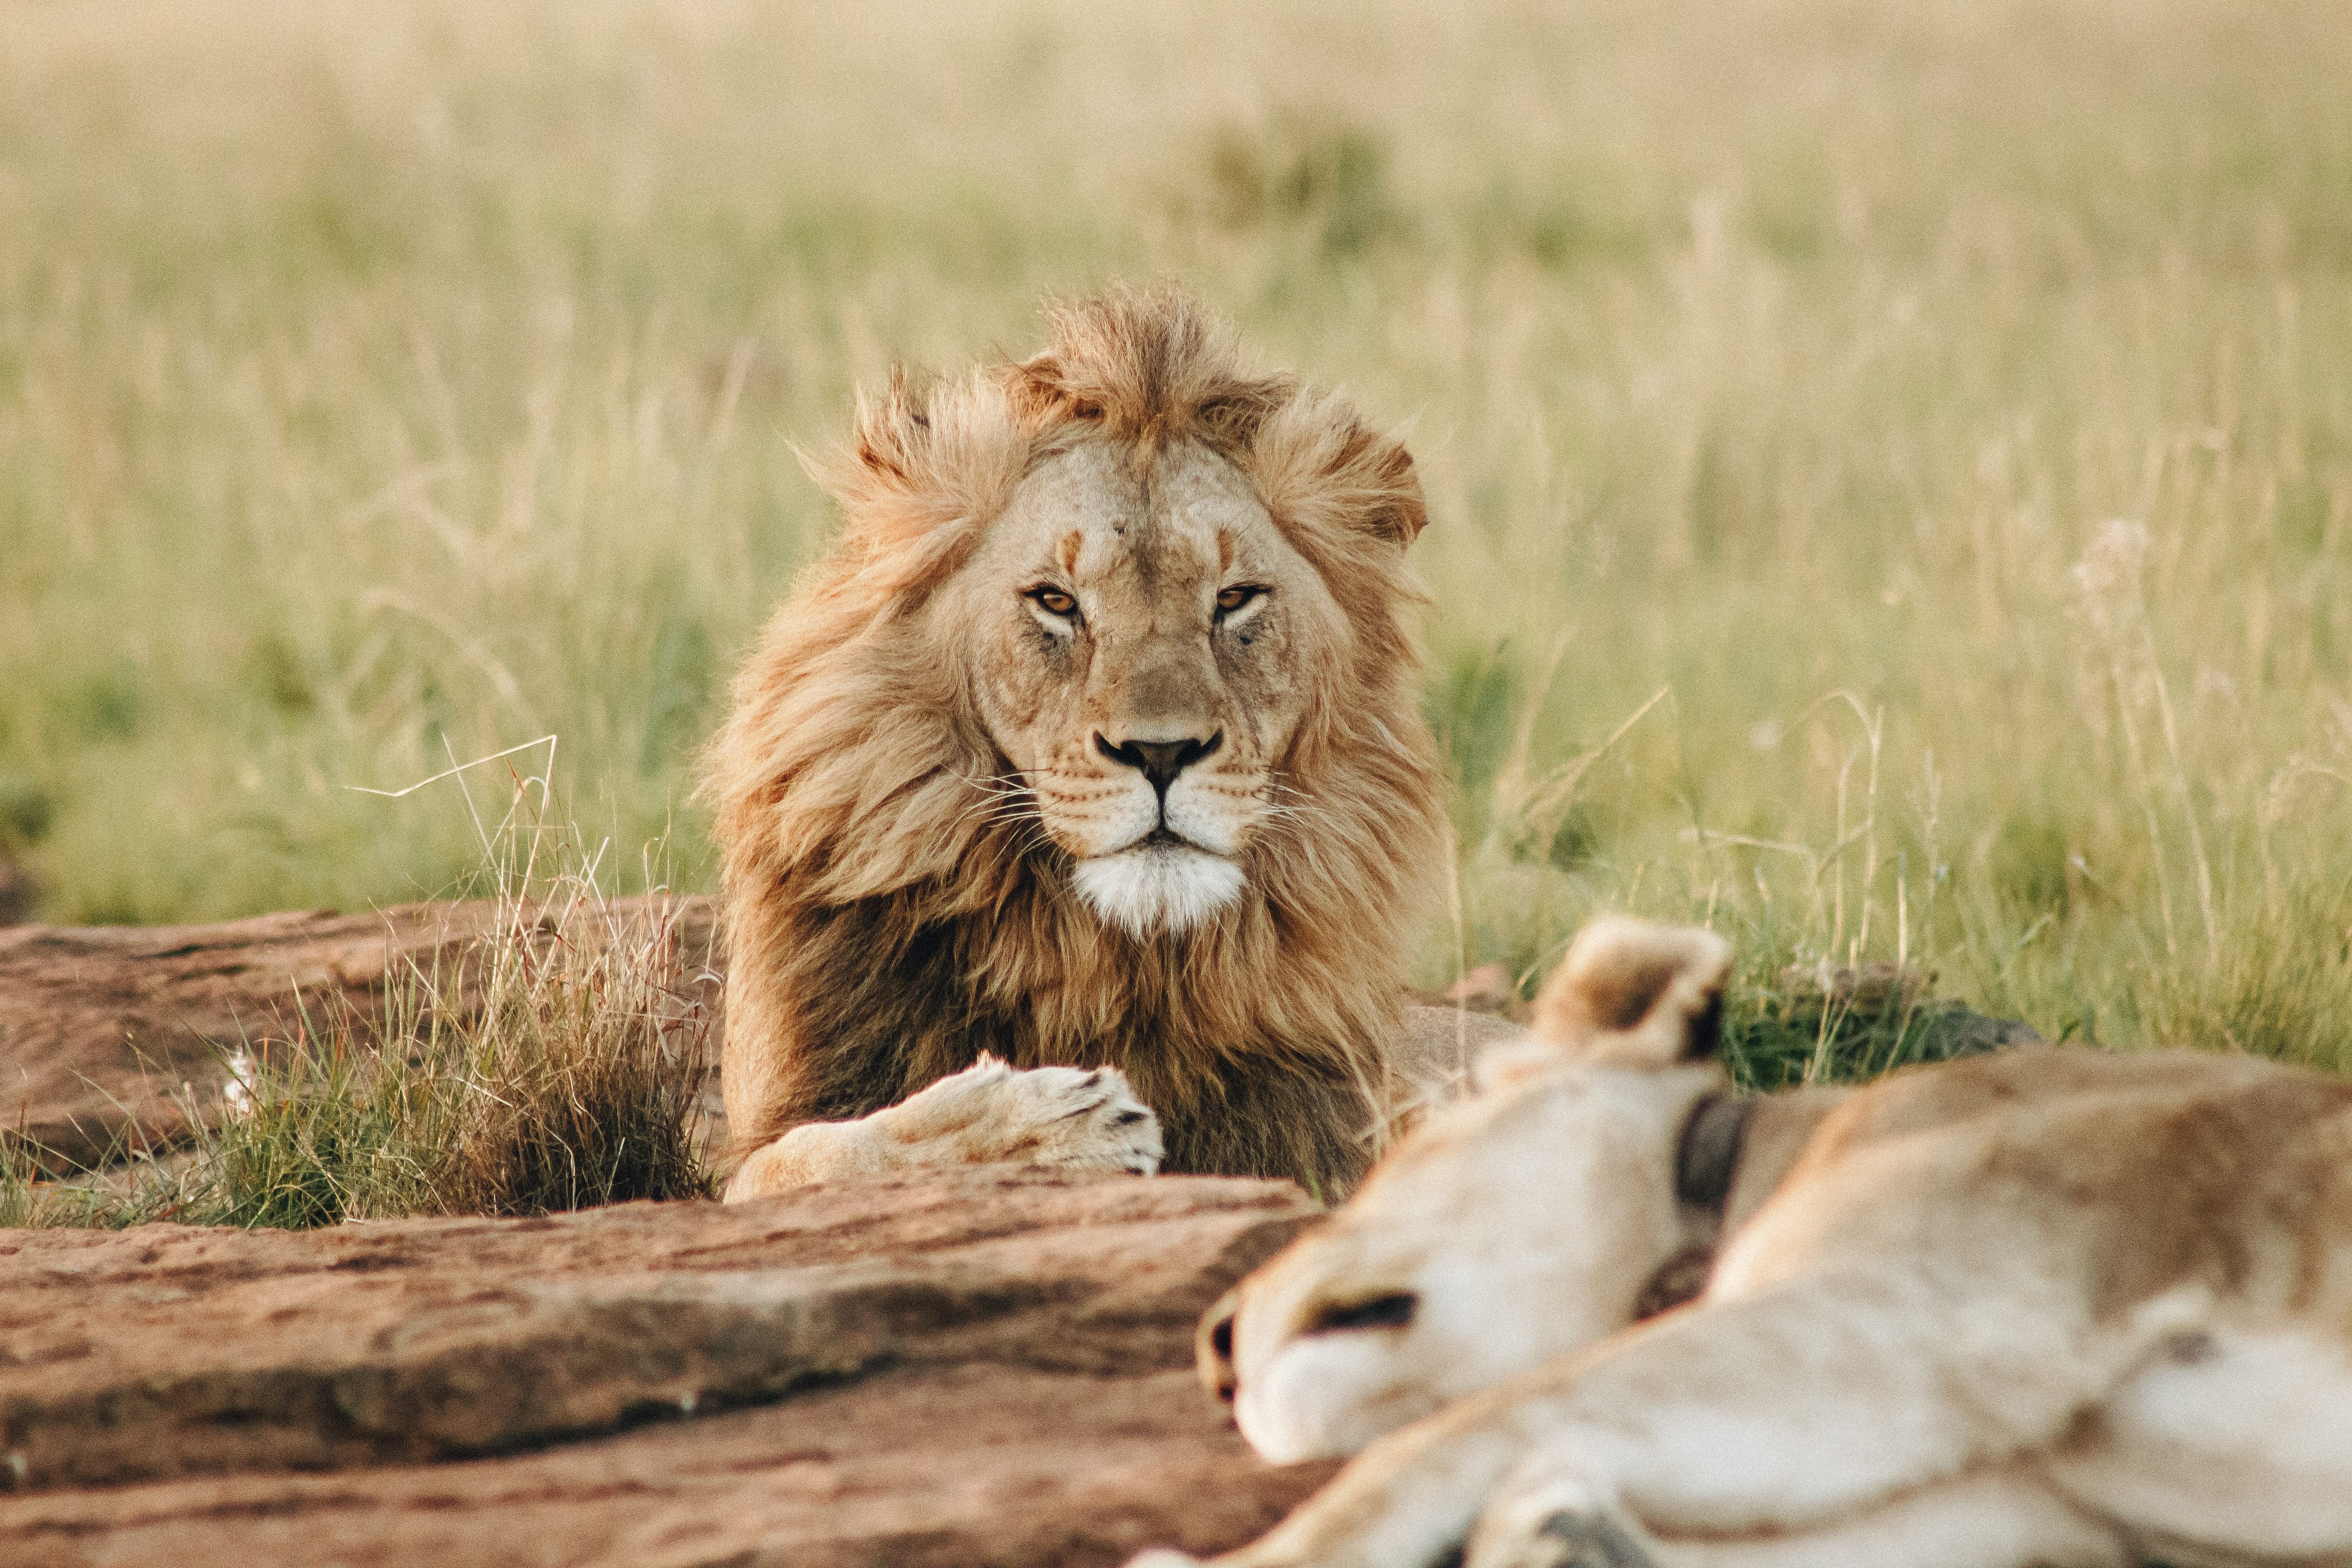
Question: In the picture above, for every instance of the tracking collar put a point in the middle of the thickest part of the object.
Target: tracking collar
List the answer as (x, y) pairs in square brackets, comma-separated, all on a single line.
[(1706, 1157), (1708, 1154)]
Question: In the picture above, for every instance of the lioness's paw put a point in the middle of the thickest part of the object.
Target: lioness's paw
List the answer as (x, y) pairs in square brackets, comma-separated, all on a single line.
[(1079, 1118), (1553, 1524), (1574, 1540)]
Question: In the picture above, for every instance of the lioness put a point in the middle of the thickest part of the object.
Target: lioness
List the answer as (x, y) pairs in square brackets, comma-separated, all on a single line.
[(2051, 1306), (1092, 748)]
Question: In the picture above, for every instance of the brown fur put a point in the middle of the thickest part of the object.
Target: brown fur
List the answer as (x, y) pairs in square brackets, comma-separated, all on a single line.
[(886, 928)]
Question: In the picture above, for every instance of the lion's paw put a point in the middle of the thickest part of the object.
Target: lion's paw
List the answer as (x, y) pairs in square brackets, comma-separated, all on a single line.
[(1077, 1118)]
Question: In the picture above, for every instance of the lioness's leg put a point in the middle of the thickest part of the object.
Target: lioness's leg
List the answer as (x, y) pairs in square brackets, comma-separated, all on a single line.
[(2004, 1519), (2234, 1442), (1786, 1411), (1795, 1407), (1072, 1117)]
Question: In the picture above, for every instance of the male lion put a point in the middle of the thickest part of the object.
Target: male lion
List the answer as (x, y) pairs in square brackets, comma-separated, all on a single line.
[(2052, 1307), (1092, 744)]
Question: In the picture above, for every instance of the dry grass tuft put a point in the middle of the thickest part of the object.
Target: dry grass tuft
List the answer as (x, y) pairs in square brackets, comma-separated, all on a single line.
[(559, 1065), (580, 1082)]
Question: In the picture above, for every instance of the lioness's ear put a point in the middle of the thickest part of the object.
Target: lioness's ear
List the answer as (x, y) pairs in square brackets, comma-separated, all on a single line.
[(1634, 994)]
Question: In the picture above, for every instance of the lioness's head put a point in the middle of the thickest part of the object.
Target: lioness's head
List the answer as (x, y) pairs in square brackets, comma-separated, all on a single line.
[(1531, 1219)]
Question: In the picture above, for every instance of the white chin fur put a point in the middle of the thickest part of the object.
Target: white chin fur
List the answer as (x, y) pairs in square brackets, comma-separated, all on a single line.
[(1159, 889)]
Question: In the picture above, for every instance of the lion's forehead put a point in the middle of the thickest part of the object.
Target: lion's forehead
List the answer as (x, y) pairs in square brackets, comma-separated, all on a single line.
[(1163, 526)]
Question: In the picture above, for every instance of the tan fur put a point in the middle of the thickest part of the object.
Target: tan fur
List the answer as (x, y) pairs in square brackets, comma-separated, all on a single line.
[(2051, 1307), (910, 773)]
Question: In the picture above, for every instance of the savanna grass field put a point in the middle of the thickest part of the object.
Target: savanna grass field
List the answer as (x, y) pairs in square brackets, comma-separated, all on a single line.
[(1890, 465)]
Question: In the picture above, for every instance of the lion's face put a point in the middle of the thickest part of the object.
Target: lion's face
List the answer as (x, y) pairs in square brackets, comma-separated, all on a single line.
[(1144, 645)]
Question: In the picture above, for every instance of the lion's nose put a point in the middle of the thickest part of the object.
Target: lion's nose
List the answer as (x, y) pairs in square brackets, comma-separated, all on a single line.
[(1160, 761)]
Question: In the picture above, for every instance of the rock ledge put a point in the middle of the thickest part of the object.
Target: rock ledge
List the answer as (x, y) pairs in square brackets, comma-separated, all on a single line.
[(987, 1367)]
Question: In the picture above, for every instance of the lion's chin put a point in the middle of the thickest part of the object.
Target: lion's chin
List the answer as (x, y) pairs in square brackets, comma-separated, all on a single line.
[(1158, 890)]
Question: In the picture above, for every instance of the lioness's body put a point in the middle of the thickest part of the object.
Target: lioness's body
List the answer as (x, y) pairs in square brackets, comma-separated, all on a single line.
[(1094, 743), (2051, 1307)]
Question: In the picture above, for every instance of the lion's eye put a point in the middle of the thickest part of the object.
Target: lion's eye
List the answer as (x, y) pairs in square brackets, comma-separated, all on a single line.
[(1235, 597), (1052, 601)]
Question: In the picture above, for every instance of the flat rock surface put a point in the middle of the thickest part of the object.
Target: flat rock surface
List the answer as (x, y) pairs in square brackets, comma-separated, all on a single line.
[(101, 1026), (981, 1367)]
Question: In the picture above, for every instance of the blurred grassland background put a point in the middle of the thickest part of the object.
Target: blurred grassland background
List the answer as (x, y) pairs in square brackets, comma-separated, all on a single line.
[(1890, 464)]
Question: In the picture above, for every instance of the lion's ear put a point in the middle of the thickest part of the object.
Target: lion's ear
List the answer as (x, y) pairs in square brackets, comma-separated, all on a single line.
[(1634, 994), (1322, 467), (1398, 511), (1374, 477), (1039, 392), (888, 446), (925, 459)]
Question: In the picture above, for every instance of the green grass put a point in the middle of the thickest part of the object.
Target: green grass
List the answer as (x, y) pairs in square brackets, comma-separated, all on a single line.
[(383, 383)]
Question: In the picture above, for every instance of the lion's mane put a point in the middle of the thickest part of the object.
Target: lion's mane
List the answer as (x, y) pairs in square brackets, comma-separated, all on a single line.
[(885, 928)]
